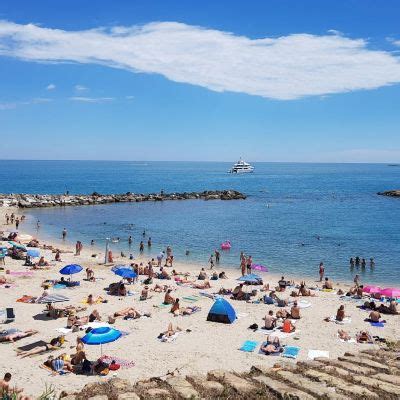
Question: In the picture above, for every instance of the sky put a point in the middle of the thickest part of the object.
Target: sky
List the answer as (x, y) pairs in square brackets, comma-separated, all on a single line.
[(276, 80)]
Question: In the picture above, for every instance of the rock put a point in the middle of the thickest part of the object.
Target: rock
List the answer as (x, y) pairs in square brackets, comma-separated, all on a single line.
[(339, 383), (201, 382), (282, 390), (158, 393), (128, 396), (377, 383), (240, 385), (69, 397), (120, 385), (182, 387), (356, 369), (366, 362), (394, 379), (390, 193), (99, 397)]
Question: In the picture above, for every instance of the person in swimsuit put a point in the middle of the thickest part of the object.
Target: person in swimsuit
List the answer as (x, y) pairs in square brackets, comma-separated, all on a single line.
[(54, 344)]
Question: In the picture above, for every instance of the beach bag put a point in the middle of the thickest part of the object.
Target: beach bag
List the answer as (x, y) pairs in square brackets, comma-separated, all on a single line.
[(268, 300), (86, 367)]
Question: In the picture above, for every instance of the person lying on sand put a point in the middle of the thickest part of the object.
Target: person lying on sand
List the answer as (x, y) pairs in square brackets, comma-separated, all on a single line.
[(225, 291), (12, 335), (74, 320), (130, 313), (176, 310), (171, 331), (205, 285), (4, 280), (59, 364), (344, 335), (370, 305), (54, 344), (273, 346), (303, 291), (392, 309)]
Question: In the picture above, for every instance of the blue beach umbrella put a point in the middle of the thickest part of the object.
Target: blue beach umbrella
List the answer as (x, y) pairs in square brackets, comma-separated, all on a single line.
[(17, 245), (101, 335), (125, 273), (71, 269), (250, 278), (33, 253), (116, 267)]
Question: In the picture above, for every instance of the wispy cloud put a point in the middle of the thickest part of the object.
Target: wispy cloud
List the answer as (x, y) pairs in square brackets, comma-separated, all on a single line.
[(286, 67), (129, 97), (10, 105), (80, 88), (52, 86), (92, 99)]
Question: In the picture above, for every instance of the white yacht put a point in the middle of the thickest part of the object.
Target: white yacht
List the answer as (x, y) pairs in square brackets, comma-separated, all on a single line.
[(241, 167)]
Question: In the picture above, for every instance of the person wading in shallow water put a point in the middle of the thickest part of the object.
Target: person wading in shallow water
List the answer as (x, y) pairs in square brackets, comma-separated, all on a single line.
[(64, 233), (321, 271)]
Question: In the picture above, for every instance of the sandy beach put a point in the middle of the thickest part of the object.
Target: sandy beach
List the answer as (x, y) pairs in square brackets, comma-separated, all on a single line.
[(200, 347)]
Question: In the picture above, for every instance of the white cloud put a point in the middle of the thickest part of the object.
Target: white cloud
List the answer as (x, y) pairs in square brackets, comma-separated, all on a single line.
[(52, 86), (92, 99), (14, 104), (80, 88), (286, 67)]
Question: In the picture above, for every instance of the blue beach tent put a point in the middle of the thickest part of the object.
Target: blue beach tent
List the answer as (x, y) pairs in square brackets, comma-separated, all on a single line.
[(222, 311)]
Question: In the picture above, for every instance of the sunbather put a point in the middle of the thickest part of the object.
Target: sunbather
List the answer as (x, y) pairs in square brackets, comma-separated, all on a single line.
[(91, 300), (303, 291), (238, 293), (295, 311), (129, 312), (270, 320), (12, 335), (59, 364), (340, 315), (145, 293), (168, 299), (287, 326), (272, 346), (374, 316), (205, 285), (344, 335), (54, 344), (11, 392), (364, 337), (392, 309), (42, 262), (328, 284), (170, 331)]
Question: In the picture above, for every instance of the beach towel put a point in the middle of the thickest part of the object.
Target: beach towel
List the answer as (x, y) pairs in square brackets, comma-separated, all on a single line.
[(64, 331), (191, 299), (317, 353), (328, 290), (98, 301), (170, 339), (59, 286), (52, 298), (21, 273), (263, 353), (291, 352), (282, 335), (125, 364), (163, 305), (26, 299), (194, 310), (249, 346), (30, 346), (241, 315), (346, 320), (303, 304), (377, 324)]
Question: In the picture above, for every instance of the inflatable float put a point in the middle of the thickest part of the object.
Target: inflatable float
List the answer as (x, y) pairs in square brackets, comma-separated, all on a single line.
[(226, 245)]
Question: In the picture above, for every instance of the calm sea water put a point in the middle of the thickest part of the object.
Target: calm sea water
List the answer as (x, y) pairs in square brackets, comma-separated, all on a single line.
[(288, 204)]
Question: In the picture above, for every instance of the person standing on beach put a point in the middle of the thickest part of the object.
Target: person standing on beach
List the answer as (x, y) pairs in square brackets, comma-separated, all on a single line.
[(64, 234), (249, 261), (141, 246), (159, 259), (7, 219), (243, 265), (321, 271), (16, 223)]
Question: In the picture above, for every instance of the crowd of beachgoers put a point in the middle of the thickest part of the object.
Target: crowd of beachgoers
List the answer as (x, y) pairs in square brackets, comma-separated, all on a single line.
[(73, 315)]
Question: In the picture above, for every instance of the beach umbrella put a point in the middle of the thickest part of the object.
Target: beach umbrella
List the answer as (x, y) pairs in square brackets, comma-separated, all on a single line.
[(33, 253), (125, 273), (71, 269), (101, 335), (371, 289), (259, 267), (390, 292), (251, 279), (116, 267), (52, 298)]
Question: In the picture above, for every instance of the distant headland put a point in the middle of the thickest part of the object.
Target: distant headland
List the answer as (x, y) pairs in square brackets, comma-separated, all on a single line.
[(66, 199), (390, 193)]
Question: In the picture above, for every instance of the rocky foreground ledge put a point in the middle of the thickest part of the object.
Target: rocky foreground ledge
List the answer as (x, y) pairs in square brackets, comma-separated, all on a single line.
[(61, 200), (370, 374), (390, 193)]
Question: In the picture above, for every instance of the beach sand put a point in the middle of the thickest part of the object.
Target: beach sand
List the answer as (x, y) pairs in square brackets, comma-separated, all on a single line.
[(207, 346)]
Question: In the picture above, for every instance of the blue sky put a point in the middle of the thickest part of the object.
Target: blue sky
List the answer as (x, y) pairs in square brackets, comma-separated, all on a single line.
[(205, 80)]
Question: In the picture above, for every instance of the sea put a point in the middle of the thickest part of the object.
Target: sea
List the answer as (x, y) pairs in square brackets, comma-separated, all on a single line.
[(295, 216)]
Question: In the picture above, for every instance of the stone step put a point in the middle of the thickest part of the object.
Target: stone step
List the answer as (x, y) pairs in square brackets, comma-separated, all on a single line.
[(356, 369), (158, 393), (182, 387), (365, 362), (394, 379), (374, 384), (282, 390), (314, 388), (340, 384), (201, 383), (240, 385), (128, 396)]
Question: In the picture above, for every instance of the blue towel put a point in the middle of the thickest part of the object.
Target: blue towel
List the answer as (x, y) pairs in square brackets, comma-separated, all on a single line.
[(377, 324), (249, 346), (291, 352)]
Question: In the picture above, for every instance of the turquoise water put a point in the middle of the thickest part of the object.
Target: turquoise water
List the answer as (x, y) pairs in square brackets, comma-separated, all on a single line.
[(288, 204)]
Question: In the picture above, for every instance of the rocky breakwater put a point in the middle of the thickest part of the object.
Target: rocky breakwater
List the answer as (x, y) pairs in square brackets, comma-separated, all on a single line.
[(390, 193), (61, 200)]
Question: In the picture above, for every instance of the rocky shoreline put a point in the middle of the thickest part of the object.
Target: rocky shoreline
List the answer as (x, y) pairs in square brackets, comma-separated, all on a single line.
[(390, 193), (63, 200)]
